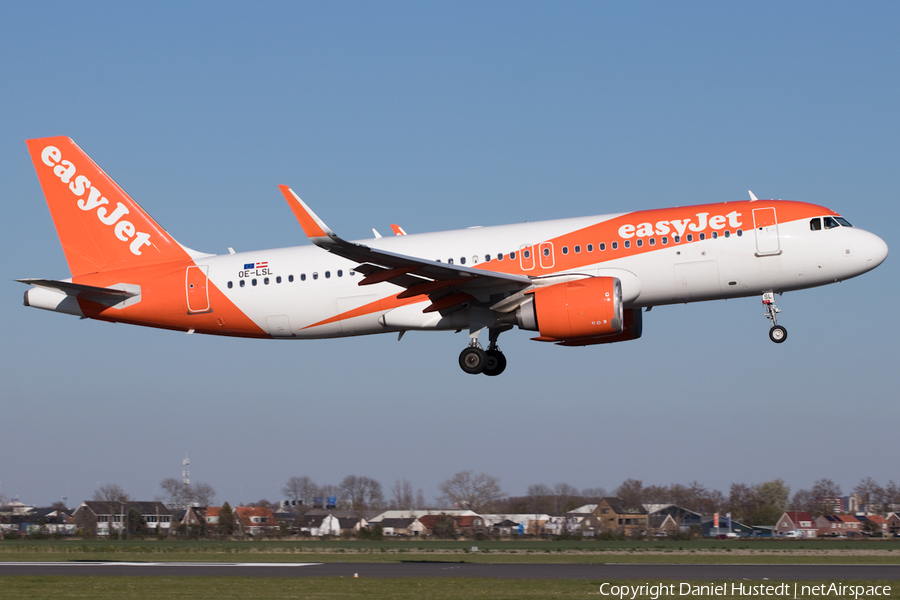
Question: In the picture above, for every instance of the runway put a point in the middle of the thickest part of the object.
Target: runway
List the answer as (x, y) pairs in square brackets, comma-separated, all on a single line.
[(604, 572)]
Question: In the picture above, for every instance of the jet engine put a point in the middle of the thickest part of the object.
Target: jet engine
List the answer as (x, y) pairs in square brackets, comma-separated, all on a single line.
[(574, 310)]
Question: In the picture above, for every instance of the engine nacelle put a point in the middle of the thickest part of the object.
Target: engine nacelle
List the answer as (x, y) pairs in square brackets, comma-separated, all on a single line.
[(634, 327), (586, 308)]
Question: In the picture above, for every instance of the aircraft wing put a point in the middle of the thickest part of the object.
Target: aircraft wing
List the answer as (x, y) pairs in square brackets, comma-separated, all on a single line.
[(447, 286)]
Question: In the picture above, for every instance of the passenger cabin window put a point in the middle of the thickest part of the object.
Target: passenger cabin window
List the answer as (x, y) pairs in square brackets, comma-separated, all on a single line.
[(512, 256), (815, 224), (526, 253), (590, 247), (652, 241), (577, 249), (340, 273), (628, 243), (278, 279), (602, 246), (690, 237), (252, 282), (462, 260), (315, 275), (615, 245), (830, 223), (640, 242), (565, 249), (266, 281), (230, 285), (243, 282), (327, 274), (487, 258)]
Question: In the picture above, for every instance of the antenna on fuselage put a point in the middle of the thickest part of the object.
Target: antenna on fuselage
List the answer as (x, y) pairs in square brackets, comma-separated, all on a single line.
[(752, 197)]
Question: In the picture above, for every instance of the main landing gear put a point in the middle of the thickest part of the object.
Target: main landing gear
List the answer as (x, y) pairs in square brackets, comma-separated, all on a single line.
[(491, 362), (777, 333)]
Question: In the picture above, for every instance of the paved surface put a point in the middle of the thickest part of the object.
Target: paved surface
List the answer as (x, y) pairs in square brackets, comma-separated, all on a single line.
[(606, 572)]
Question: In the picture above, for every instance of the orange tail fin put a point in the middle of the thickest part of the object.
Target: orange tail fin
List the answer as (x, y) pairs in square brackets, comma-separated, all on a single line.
[(100, 227)]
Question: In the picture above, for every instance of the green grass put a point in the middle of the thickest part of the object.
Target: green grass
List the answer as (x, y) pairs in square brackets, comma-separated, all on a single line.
[(517, 551), (316, 588)]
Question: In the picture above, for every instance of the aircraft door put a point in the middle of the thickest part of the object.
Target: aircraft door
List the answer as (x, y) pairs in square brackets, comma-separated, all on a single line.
[(546, 257), (765, 224), (526, 257), (196, 289)]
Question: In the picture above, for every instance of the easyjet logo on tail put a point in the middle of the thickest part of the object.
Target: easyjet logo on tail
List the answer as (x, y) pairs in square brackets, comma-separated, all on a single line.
[(124, 230), (679, 226)]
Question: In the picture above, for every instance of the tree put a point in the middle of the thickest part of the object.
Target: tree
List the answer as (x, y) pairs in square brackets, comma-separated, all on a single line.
[(631, 492), (402, 495), (226, 519), (301, 490), (203, 494), (540, 498), (135, 523), (774, 493), (742, 501), (593, 495), (179, 495), (871, 495), (420, 499), (566, 497), (444, 527), (362, 492), (469, 491)]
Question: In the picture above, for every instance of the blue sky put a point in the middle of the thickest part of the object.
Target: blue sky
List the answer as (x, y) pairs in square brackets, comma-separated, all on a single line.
[(440, 116)]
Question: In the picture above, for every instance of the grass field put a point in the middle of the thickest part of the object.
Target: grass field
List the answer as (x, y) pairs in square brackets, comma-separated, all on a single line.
[(249, 588), (517, 551)]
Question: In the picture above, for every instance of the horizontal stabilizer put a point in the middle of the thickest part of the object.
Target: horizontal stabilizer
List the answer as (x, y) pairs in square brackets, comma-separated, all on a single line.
[(85, 292)]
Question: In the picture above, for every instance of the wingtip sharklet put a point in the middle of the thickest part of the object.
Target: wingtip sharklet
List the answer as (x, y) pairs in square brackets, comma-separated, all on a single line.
[(312, 225)]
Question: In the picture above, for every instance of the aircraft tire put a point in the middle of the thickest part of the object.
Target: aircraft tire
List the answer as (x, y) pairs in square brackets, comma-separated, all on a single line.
[(778, 334), (495, 363), (472, 360)]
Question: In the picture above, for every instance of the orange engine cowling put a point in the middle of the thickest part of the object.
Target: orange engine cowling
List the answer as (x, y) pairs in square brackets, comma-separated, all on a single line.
[(587, 308)]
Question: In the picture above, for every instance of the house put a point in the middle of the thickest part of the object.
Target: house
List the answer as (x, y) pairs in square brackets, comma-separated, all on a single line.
[(570, 523), (517, 523), (101, 516), (406, 527), (255, 520), (618, 516), (709, 529), (795, 520), (873, 524), (893, 522), (835, 525), (317, 525), (661, 517)]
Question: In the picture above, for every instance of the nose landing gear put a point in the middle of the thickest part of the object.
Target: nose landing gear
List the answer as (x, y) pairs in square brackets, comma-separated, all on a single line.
[(777, 333)]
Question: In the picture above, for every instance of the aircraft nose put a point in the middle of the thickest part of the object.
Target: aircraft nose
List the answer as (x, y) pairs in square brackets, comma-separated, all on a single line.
[(876, 251)]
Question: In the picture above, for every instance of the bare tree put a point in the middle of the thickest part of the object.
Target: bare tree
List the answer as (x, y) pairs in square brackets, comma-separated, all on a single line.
[(540, 498), (631, 491), (333, 491), (594, 494), (203, 494), (177, 494), (420, 499), (402, 495), (870, 494), (563, 494), (469, 491), (774, 493), (300, 489), (362, 492), (110, 492)]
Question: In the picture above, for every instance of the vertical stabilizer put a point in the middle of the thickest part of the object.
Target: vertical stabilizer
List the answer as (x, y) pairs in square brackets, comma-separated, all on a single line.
[(99, 226)]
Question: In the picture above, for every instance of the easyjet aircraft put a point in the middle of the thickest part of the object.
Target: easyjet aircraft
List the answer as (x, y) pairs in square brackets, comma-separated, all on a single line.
[(577, 282)]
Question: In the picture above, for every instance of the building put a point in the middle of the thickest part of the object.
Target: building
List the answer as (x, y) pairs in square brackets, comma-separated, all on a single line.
[(255, 520), (836, 525), (800, 521), (318, 525), (616, 516), (100, 517), (662, 516)]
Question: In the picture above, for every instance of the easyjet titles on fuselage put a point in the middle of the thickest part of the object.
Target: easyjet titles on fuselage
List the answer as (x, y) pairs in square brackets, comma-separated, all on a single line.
[(123, 230), (681, 225)]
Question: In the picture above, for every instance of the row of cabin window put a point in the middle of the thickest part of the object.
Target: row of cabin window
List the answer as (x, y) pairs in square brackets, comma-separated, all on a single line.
[(664, 240), (290, 278)]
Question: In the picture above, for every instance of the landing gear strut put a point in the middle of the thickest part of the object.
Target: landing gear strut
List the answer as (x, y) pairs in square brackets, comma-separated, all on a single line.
[(777, 333), (491, 362)]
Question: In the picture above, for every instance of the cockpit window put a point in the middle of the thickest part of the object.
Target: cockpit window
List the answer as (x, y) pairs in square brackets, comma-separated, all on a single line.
[(843, 221), (830, 223), (815, 224)]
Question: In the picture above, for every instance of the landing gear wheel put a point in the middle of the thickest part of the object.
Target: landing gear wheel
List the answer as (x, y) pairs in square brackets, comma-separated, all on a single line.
[(472, 360), (778, 334), (495, 363)]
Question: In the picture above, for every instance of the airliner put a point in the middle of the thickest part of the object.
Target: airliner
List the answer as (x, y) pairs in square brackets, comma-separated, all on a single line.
[(575, 281)]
